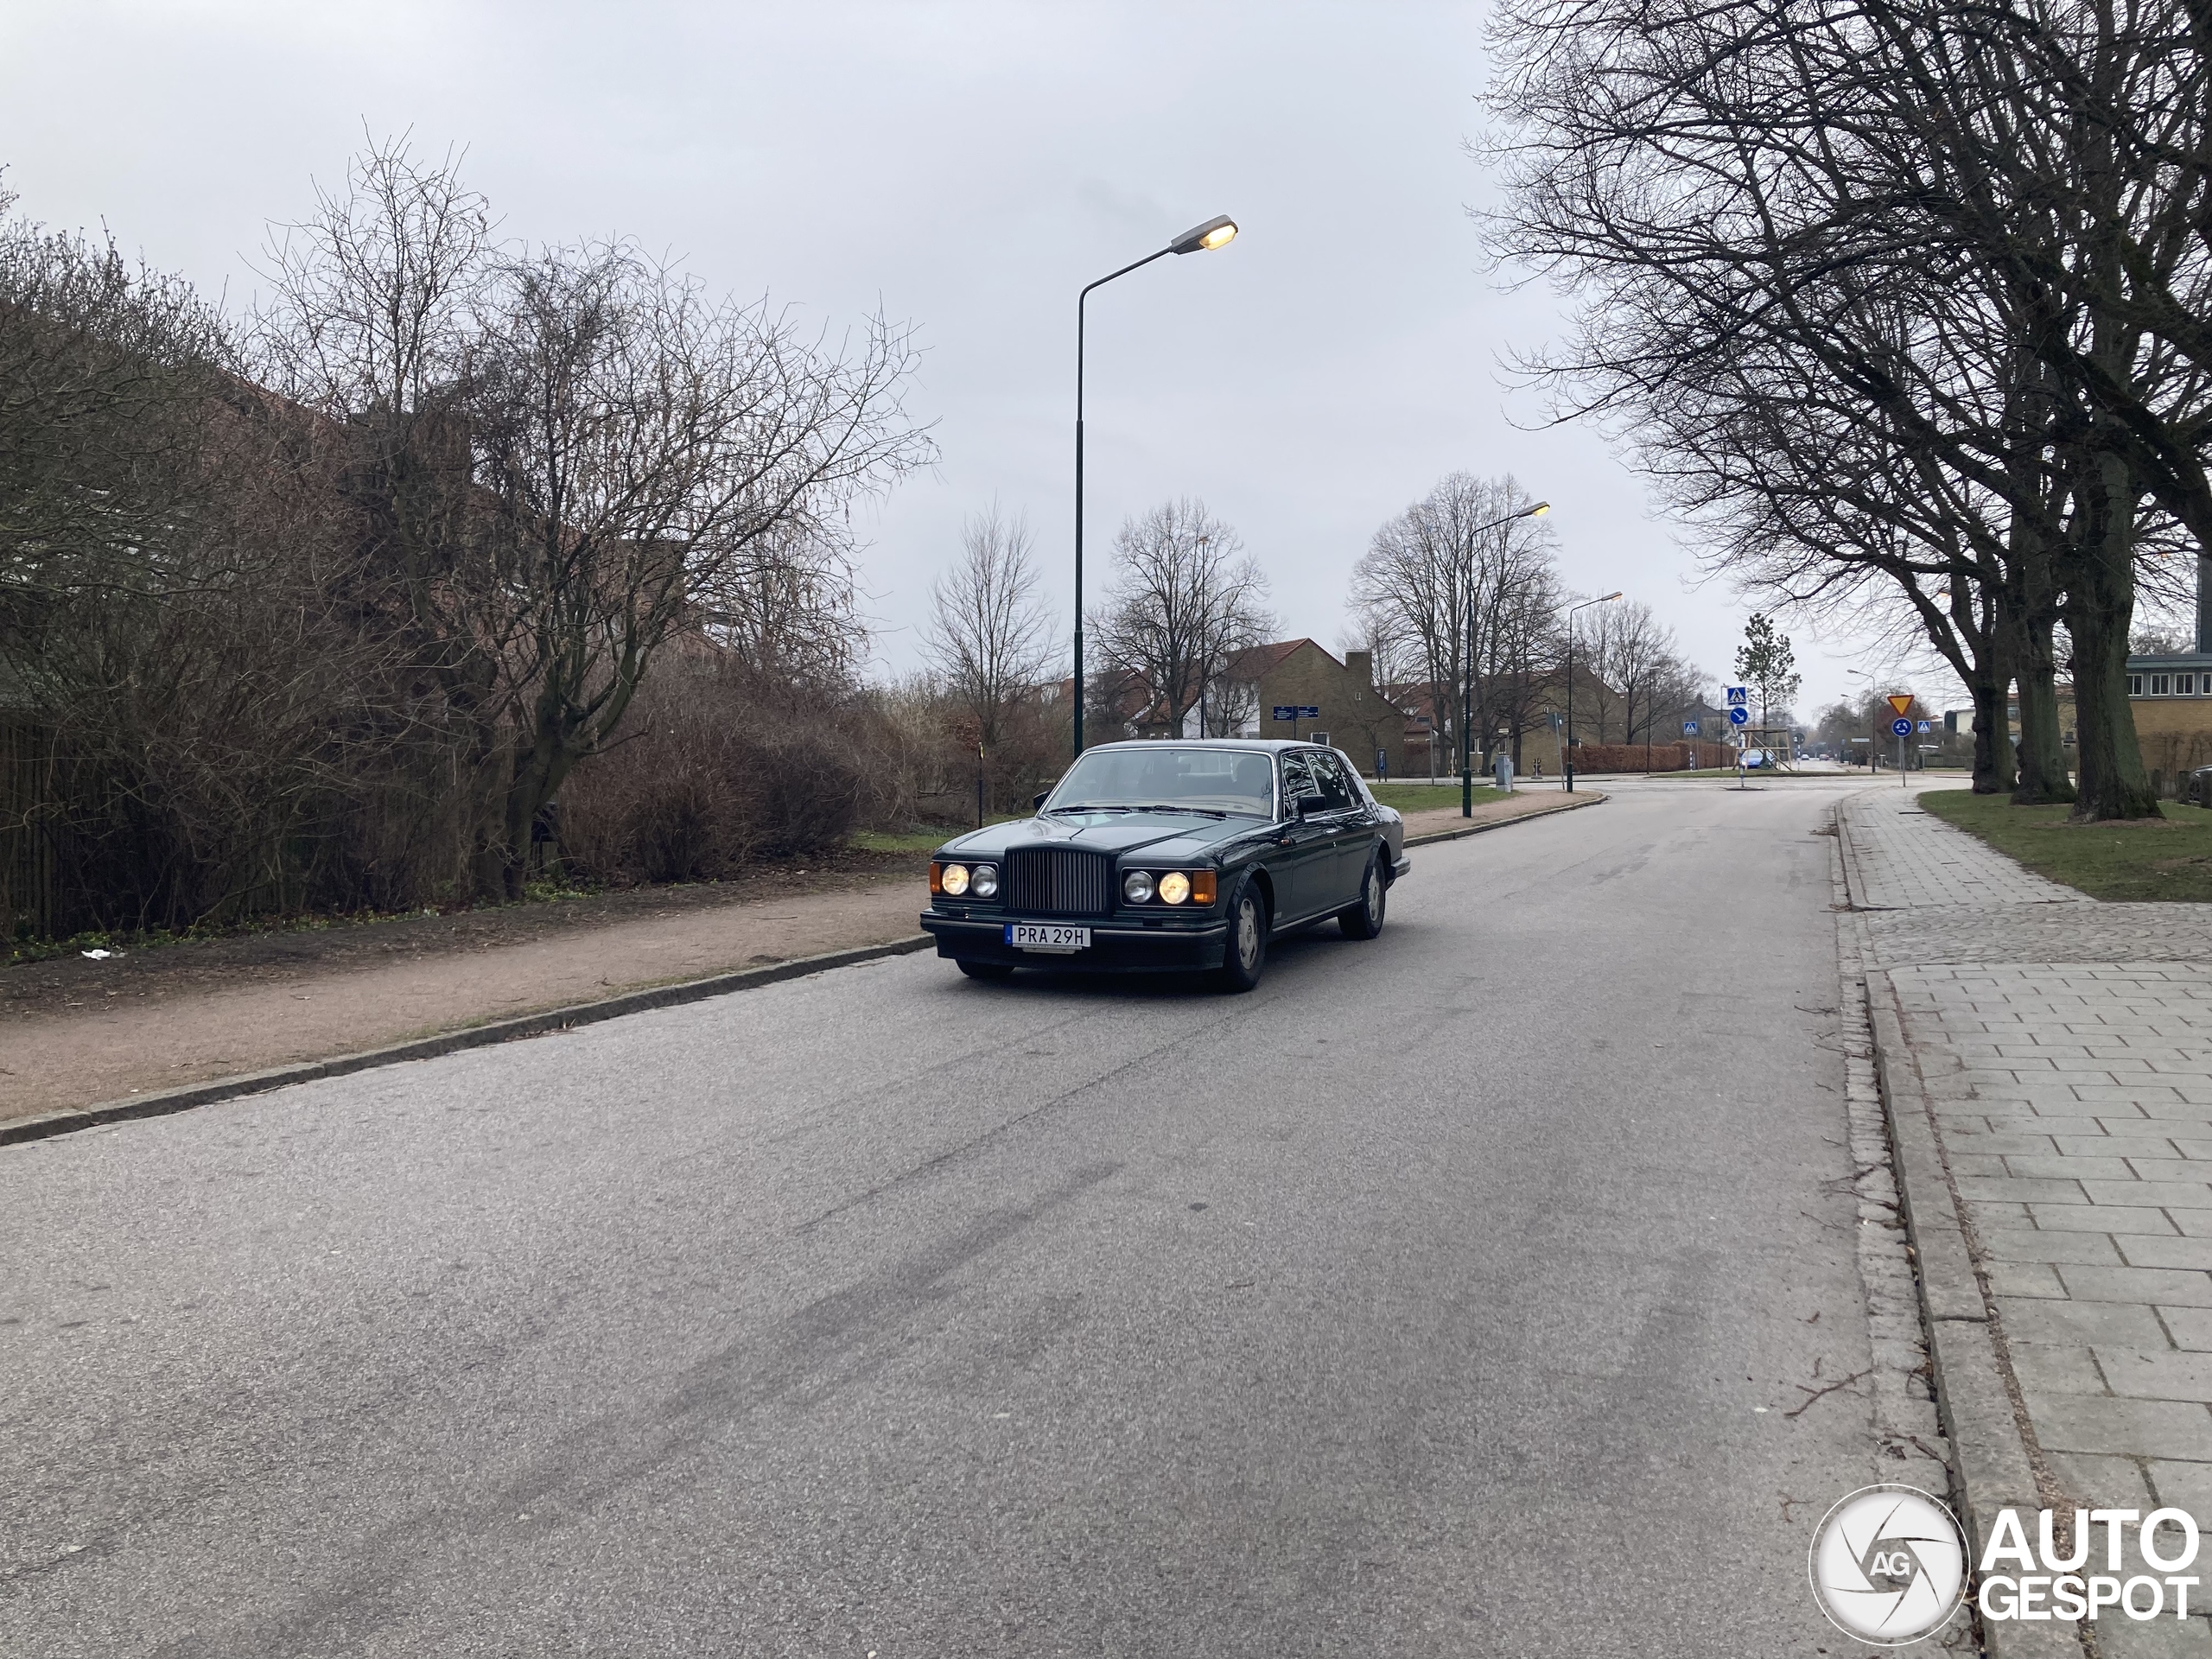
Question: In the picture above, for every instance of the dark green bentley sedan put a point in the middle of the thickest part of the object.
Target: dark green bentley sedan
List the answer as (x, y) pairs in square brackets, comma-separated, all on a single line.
[(1158, 856)]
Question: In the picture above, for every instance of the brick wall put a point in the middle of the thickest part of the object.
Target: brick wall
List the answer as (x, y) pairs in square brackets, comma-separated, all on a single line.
[(1359, 719)]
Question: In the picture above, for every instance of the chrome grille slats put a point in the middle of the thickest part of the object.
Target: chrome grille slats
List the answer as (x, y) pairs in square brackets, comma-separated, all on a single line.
[(1058, 882)]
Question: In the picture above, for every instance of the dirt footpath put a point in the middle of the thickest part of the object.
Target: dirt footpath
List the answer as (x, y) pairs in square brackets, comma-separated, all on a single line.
[(75, 1031)]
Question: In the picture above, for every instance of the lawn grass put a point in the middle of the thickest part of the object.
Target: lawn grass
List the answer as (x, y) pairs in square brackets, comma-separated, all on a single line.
[(927, 839), (1427, 798), (2149, 858)]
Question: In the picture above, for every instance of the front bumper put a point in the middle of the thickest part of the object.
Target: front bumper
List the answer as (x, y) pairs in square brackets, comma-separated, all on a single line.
[(1117, 947)]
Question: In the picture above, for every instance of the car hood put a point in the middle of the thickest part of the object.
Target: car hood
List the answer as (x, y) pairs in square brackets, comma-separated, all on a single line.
[(1169, 834)]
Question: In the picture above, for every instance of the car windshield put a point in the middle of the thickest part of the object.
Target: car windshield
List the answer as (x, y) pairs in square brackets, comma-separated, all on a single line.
[(1177, 779)]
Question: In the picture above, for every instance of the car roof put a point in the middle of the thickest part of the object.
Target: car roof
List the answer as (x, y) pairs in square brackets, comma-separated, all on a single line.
[(1266, 744)]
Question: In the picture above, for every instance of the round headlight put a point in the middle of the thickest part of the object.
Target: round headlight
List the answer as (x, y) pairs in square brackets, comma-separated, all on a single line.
[(1137, 887), (1174, 888), (956, 879), (985, 882)]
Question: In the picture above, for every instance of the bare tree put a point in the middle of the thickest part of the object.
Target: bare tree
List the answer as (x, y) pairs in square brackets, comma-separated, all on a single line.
[(1637, 664), (1183, 599), (1941, 261), (642, 448), (988, 634), (1466, 598), (562, 459)]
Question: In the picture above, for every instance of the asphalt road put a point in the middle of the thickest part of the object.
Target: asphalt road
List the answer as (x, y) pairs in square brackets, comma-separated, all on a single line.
[(1422, 1301)]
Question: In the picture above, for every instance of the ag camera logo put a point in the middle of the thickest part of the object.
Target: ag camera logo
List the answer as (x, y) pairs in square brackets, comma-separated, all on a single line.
[(1888, 1565)]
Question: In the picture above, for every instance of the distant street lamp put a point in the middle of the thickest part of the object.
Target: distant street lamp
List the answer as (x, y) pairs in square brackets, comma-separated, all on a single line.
[(1467, 671), (1218, 231), (1873, 745), (1567, 765)]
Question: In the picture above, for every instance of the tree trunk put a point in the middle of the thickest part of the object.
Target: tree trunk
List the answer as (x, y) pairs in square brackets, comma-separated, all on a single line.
[(1994, 769), (2043, 754), (2100, 611)]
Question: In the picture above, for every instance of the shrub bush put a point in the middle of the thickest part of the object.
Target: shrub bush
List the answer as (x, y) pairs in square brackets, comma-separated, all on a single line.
[(707, 775)]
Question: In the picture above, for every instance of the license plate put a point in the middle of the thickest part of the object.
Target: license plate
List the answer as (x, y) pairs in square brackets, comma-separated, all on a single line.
[(1045, 936)]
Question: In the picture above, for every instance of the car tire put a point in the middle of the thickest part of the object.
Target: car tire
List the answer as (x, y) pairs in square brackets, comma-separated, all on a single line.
[(985, 969), (1245, 955), (1364, 919)]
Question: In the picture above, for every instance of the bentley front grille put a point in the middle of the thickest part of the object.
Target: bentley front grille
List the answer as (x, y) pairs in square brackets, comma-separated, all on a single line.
[(1057, 882)]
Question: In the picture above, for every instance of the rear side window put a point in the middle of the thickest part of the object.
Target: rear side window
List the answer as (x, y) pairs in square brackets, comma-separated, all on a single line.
[(1330, 776)]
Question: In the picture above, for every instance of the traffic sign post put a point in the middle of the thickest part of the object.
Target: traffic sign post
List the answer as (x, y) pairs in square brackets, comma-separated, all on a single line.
[(1903, 728)]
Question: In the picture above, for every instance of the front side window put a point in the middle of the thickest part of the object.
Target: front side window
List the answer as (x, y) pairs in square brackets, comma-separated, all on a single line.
[(1329, 777), (1297, 780), (1168, 776)]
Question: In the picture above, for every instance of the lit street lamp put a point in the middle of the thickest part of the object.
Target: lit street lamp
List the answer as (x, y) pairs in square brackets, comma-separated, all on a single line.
[(1216, 232), (1567, 765)]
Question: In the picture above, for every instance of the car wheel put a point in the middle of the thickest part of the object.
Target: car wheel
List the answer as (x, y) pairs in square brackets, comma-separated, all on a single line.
[(1364, 919), (1247, 953), (985, 969)]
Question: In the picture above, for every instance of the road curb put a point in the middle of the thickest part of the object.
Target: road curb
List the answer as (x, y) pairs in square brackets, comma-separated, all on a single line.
[(1993, 1466), (49, 1124), (1594, 798)]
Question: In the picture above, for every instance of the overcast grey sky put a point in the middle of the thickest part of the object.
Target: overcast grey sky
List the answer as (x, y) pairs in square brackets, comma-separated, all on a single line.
[(969, 167)]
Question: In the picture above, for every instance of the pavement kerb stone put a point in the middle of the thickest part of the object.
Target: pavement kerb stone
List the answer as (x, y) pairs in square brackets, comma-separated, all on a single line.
[(1587, 797), (48, 1124), (1948, 1287), (1994, 1466)]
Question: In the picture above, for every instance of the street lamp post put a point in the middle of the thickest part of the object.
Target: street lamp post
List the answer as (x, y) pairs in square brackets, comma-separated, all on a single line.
[(1468, 670), (1567, 765), (1873, 741), (1218, 231)]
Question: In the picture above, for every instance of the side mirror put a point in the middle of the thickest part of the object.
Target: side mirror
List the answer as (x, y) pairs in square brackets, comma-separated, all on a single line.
[(1308, 805), (1037, 805)]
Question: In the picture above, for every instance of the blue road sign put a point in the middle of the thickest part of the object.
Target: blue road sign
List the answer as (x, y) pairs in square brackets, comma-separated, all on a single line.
[(1739, 696), (1297, 711), (1927, 726), (1689, 729), (1740, 716), (1902, 727)]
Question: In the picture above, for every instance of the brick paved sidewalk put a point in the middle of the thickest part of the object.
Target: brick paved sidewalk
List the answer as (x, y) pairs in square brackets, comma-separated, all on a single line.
[(2062, 1050)]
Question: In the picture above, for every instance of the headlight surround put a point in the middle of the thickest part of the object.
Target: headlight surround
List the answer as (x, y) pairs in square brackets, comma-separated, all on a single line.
[(955, 880), (984, 881), (1137, 887), (1174, 888)]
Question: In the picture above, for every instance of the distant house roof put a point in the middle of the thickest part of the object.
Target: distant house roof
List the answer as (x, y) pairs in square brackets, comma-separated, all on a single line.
[(1255, 660)]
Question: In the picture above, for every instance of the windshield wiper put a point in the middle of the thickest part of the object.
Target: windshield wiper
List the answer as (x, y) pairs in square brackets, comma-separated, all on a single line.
[(1173, 806)]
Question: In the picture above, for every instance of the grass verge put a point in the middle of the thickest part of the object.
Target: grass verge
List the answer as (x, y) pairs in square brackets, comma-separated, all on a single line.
[(1427, 798), (2168, 858)]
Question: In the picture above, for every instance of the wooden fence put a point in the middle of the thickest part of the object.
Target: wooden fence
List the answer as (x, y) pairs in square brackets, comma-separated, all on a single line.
[(30, 886)]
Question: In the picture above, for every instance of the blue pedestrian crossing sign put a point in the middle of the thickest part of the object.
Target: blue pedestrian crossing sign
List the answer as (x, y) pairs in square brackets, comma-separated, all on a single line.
[(1689, 729), (1902, 727), (1740, 716), (1927, 726), (1739, 696)]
